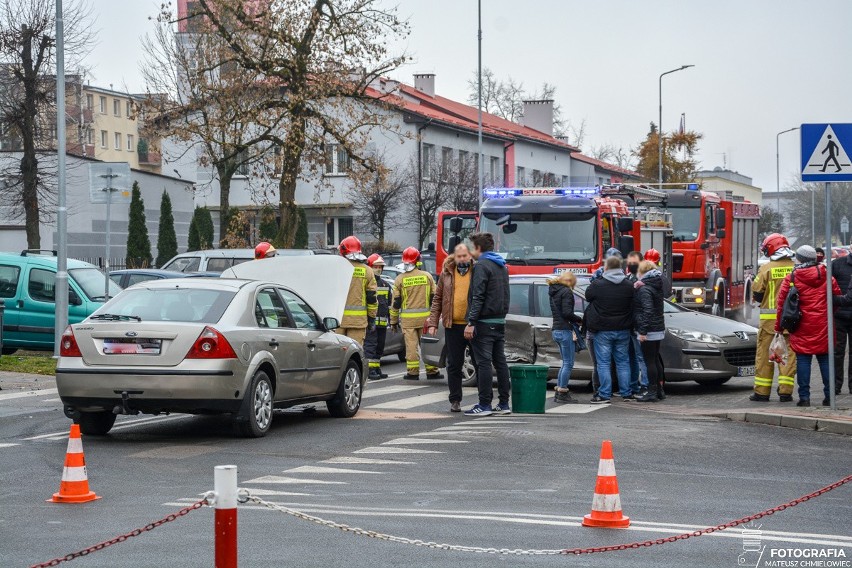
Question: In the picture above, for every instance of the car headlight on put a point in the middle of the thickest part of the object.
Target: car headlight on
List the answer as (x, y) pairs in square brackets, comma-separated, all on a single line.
[(699, 336)]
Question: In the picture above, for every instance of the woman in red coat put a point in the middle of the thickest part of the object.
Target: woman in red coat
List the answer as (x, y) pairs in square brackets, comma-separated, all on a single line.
[(811, 336)]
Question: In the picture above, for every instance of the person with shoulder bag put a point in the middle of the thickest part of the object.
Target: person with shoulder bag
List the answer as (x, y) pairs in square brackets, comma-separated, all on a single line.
[(650, 324), (565, 330)]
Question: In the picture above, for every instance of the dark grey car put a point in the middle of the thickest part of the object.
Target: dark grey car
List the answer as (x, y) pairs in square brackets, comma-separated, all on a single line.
[(697, 347)]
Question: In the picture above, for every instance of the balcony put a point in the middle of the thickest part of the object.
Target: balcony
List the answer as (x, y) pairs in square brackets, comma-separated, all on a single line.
[(150, 158)]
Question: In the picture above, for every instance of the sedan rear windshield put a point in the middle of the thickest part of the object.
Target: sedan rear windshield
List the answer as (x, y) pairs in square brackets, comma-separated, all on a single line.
[(180, 304)]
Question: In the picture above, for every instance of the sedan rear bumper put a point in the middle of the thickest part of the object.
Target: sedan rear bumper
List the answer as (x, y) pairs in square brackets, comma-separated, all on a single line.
[(152, 405)]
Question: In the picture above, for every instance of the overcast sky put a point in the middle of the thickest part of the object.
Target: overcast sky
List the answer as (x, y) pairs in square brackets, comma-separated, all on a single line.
[(761, 66)]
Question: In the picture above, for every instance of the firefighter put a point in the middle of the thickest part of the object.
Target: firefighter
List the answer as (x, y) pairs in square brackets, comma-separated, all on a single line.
[(412, 301), (764, 290), (374, 344), (264, 250), (359, 315)]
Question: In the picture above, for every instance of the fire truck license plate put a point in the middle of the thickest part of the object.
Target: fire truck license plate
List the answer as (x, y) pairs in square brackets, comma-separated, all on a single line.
[(574, 270), (745, 371)]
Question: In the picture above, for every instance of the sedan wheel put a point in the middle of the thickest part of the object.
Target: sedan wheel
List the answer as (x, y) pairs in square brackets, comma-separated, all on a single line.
[(468, 370), (347, 400), (257, 411)]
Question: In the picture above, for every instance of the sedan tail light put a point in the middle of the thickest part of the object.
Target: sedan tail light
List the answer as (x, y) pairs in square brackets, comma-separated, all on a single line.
[(68, 344), (211, 345)]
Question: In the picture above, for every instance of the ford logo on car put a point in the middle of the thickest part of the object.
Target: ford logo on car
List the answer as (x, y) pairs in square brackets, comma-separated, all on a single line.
[(131, 334)]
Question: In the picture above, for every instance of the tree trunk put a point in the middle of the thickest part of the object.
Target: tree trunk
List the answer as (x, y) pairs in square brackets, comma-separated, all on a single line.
[(29, 160), (225, 176), (291, 161)]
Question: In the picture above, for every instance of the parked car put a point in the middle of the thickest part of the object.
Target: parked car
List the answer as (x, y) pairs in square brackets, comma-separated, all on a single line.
[(207, 346), (130, 276), (219, 260), (697, 347), (27, 287)]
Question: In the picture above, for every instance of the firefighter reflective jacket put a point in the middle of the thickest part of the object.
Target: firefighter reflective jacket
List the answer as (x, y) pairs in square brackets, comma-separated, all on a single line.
[(383, 296), (361, 300), (767, 284), (412, 298)]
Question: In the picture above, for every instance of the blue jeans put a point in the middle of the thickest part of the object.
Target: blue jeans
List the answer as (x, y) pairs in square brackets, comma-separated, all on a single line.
[(564, 338), (803, 374), (638, 370), (611, 345)]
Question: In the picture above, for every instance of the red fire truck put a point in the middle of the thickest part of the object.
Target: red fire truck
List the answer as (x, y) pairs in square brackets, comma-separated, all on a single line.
[(715, 250)]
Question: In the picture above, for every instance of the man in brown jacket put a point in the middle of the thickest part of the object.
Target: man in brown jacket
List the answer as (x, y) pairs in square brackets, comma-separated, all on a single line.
[(449, 306)]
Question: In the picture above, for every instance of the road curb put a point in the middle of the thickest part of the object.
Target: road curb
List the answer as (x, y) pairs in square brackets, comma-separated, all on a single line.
[(788, 421)]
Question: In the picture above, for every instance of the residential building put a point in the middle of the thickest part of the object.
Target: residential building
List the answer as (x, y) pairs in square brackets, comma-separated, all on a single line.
[(729, 184), (587, 172)]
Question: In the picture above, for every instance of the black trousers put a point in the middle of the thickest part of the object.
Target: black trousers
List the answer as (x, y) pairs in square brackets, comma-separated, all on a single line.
[(843, 333), (489, 349), (651, 354), (456, 346), (374, 343)]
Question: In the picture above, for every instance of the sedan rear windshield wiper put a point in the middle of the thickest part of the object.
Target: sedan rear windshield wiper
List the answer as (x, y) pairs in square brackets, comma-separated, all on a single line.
[(114, 317)]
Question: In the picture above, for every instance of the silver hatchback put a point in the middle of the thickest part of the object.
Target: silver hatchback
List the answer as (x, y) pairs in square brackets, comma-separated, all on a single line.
[(206, 346)]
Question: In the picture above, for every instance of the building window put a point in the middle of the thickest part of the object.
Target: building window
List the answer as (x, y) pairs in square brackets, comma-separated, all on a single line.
[(130, 146), (565, 181), (90, 136), (549, 179), (244, 167), (337, 229), (521, 179), (117, 140), (116, 107), (495, 169), (129, 109), (337, 160), (536, 178), (446, 162), (102, 102), (103, 138), (90, 102), (428, 160)]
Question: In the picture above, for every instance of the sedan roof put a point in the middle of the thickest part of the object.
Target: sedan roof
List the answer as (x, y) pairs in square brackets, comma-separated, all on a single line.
[(212, 283)]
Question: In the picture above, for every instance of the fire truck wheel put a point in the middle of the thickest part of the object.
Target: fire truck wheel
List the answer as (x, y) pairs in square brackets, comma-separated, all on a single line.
[(719, 308)]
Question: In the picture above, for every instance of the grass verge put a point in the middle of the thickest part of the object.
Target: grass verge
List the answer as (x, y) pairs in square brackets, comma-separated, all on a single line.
[(28, 362)]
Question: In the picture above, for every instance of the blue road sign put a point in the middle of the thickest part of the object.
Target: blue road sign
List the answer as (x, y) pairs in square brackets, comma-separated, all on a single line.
[(824, 152)]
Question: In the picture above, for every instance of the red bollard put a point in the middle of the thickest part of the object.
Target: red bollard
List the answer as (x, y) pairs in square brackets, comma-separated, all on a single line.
[(225, 487)]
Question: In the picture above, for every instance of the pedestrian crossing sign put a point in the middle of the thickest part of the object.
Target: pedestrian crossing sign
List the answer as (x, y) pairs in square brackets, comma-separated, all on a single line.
[(824, 154)]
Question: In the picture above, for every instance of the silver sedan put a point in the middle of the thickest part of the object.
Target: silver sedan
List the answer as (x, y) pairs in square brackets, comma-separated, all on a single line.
[(206, 346)]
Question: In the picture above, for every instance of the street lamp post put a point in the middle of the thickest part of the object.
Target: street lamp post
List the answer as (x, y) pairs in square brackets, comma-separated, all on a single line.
[(660, 123), (61, 289), (778, 173)]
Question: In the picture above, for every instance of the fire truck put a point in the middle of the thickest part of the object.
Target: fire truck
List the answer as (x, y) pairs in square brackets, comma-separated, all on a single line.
[(715, 250), (545, 230)]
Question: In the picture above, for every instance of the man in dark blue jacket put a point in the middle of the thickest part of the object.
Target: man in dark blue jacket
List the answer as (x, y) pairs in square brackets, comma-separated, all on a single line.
[(488, 304)]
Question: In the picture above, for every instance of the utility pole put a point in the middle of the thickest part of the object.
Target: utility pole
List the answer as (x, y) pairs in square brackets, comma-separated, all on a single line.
[(61, 291), (480, 158)]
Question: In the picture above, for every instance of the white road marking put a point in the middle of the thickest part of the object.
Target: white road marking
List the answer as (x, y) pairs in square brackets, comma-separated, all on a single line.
[(483, 421), (454, 433), (319, 469), (124, 424), (269, 492), (292, 480), (27, 393), (412, 401), (404, 441), (465, 426), (8, 445), (575, 408), (52, 400), (393, 450), (370, 392), (354, 460)]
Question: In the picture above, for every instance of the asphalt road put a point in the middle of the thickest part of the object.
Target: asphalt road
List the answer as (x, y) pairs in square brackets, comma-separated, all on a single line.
[(407, 467)]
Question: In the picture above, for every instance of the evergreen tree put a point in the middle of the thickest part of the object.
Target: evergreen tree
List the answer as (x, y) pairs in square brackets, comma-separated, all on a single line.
[(301, 241), (193, 242), (268, 224), (200, 230), (167, 239), (138, 243)]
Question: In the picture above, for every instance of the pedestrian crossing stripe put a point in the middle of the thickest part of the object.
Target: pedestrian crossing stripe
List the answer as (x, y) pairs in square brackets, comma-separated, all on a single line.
[(828, 156)]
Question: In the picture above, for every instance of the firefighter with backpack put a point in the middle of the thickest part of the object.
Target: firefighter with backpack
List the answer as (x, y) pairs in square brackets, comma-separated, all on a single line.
[(374, 344), (764, 291)]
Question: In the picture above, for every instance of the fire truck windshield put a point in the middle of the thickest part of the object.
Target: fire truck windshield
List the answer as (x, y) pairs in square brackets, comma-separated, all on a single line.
[(686, 222), (544, 238)]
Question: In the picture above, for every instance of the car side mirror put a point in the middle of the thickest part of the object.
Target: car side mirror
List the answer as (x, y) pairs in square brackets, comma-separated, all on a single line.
[(720, 220), (455, 225), (74, 298), (625, 224), (330, 323)]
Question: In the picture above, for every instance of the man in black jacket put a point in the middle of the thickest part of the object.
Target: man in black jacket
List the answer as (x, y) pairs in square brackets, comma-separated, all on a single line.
[(609, 317), (488, 304), (841, 269)]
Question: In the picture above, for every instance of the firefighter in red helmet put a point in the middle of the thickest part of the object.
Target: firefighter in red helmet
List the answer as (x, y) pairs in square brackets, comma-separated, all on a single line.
[(764, 290), (653, 255), (412, 302), (264, 250), (374, 344), (359, 315)]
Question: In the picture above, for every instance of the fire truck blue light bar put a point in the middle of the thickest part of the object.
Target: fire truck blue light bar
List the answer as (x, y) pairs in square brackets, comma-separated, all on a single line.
[(517, 192)]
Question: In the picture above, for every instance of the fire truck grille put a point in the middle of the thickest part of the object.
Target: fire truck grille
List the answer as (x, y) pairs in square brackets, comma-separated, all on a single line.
[(741, 357)]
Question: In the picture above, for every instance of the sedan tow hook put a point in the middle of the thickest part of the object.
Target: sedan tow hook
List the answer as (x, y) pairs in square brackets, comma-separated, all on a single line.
[(124, 408)]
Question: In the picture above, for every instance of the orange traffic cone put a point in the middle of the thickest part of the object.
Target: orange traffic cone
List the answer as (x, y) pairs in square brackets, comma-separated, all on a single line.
[(74, 487), (606, 505)]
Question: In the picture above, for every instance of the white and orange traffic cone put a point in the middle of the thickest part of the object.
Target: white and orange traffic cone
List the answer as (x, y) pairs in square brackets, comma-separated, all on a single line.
[(74, 487), (606, 505)]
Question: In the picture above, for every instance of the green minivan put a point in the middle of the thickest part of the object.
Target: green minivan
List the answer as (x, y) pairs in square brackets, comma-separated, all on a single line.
[(27, 288)]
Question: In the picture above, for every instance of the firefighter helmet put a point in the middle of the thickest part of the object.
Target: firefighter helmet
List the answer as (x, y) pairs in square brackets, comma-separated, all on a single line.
[(375, 259), (264, 250), (653, 255), (410, 257), (350, 247), (772, 243)]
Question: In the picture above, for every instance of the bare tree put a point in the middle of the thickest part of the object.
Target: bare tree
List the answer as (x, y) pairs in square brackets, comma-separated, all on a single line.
[(321, 56), (463, 178), (617, 155), (27, 97), (201, 98), (378, 202), (807, 205)]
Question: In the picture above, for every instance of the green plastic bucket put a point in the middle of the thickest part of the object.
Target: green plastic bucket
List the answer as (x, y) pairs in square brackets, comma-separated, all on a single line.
[(529, 388)]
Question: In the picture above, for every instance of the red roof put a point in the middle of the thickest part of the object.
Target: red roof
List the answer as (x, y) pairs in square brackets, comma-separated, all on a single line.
[(605, 165), (464, 116)]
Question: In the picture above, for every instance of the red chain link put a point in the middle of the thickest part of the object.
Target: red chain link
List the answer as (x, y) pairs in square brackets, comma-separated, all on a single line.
[(709, 530), (121, 538)]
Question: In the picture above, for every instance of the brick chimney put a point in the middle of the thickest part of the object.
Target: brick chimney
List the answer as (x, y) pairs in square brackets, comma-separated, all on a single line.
[(425, 83), (539, 115)]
